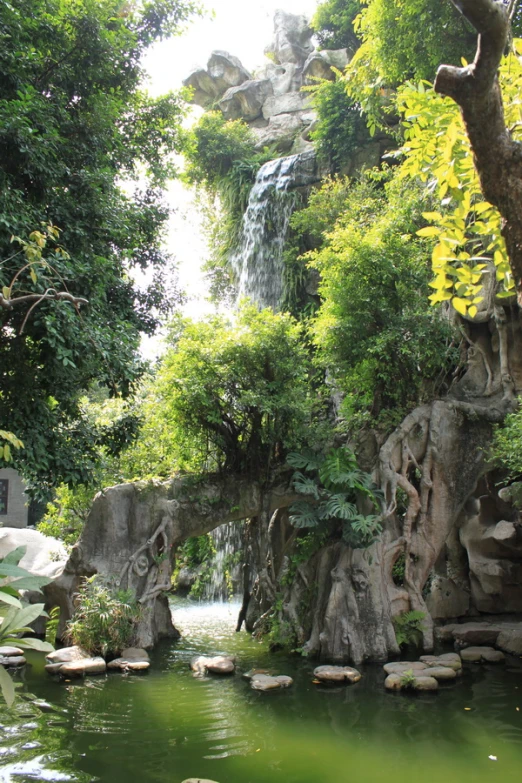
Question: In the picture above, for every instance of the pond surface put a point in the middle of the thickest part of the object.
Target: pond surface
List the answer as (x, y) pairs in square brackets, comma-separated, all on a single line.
[(166, 725)]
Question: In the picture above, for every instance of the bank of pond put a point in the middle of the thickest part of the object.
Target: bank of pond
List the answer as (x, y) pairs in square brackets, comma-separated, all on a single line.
[(175, 721)]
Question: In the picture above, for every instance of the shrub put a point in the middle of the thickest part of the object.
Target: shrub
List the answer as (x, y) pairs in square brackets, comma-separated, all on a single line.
[(104, 621)]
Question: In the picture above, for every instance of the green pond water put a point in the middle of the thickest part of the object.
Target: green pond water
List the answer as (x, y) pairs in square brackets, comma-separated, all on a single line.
[(166, 725)]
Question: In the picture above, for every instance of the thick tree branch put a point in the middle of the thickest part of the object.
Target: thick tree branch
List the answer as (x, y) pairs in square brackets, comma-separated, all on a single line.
[(475, 88)]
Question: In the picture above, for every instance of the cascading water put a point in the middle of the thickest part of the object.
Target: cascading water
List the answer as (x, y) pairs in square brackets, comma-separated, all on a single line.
[(258, 264), (225, 581)]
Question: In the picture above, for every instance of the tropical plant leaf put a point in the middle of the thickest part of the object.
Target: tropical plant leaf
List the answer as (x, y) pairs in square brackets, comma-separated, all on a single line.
[(7, 686), (339, 507), (8, 598), (303, 514), (8, 569), (35, 644), (306, 460), (305, 485), (30, 583), (14, 557), (16, 620)]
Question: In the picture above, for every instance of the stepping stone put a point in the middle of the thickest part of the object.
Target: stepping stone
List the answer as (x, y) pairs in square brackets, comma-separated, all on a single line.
[(66, 655), (124, 665), (8, 652), (448, 661), (264, 682), (482, 655), (198, 780), (400, 667), (441, 673), (135, 654), (337, 674), (13, 660), (395, 682), (83, 667), (219, 664)]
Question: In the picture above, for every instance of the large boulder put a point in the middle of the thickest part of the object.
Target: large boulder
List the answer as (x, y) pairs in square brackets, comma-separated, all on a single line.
[(283, 130), (285, 78), (320, 64), (44, 556), (246, 101), (292, 39), (223, 72)]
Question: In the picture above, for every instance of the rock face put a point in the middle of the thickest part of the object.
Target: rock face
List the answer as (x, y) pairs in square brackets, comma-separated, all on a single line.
[(246, 101), (133, 530), (319, 65), (292, 39), (223, 72)]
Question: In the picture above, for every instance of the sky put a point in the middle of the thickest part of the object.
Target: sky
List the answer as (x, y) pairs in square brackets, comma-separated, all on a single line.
[(243, 28)]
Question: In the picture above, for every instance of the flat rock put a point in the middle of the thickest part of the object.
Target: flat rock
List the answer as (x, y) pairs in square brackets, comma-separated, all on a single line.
[(123, 664), (448, 660), (393, 682), (441, 673), (265, 682), (219, 664), (7, 651), (13, 660), (510, 641), (286, 104), (135, 654), (400, 667), (83, 667), (470, 634), (482, 654), (425, 684), (337, 674), (67, 655)]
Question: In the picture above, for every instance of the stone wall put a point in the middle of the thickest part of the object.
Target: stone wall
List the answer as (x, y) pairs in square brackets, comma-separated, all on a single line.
[(17, 500)]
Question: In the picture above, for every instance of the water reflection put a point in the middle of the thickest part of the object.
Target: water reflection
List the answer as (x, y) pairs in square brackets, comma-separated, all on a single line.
[(166, 726)]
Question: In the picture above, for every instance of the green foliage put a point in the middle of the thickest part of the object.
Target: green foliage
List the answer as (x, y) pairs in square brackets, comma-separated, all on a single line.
[(399, 570), (104, 619), (506, 450), (332, 487), (236, 395), (51, 627), (223, 162), (408, 679), (333, 24), (74, 123), (341, 129), (408, 628), (16, 614), (306, 546), (66, 514), (411, 39), (384, 347), (466, 230)]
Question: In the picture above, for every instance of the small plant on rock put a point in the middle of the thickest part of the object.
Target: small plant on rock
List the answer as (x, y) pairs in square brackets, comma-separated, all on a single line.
[(105, 619), (408, 679)]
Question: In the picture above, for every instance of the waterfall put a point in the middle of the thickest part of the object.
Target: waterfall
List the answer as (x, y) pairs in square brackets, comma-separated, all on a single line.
[(258, 263), (226, 567)]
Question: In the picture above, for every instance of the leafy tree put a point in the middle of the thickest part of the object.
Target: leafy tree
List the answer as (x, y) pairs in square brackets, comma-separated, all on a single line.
[(410, 39), (382, 344), (236, 395), (74, 123), (333, 24)]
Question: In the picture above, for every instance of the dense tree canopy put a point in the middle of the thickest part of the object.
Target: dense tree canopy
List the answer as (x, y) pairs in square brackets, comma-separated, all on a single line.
[(74, 124)]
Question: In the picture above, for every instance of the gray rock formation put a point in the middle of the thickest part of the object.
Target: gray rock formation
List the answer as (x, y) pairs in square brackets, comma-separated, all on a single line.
[(246, 102), (319, 65), (292, 39), (223, 72), (44, 556), (132, 533), (285, 104)]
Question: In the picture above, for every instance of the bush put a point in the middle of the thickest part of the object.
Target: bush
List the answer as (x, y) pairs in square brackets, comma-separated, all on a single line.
[(333, 24), (104, 620)]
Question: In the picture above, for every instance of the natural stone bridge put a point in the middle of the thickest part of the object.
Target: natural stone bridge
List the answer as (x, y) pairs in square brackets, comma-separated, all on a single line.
[(133, 530)]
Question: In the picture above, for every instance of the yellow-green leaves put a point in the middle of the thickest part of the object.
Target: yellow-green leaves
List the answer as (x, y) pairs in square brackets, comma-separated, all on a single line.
[(467, 235), (10, 440)]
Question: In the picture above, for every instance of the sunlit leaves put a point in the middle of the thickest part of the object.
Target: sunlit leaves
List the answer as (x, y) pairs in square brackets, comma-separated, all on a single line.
[(467, 230)]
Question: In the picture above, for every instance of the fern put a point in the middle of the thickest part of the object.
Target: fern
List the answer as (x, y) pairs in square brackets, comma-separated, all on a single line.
[(408, 628)]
